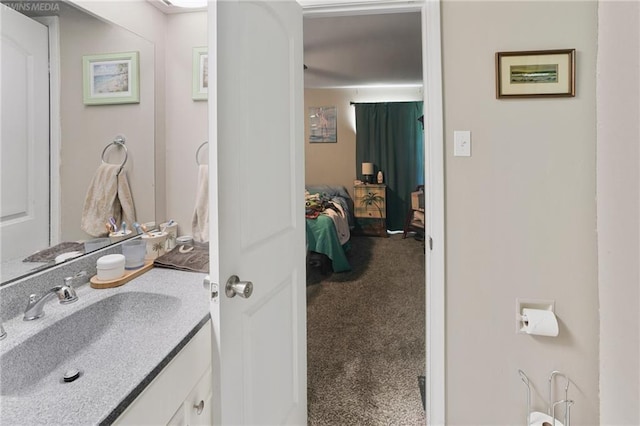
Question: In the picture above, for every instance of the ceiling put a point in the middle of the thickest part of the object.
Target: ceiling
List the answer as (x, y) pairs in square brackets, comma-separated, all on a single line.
[(363, 50), (354, 50)]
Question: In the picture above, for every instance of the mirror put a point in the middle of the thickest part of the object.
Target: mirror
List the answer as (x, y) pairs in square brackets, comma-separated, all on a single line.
[(84, 132)]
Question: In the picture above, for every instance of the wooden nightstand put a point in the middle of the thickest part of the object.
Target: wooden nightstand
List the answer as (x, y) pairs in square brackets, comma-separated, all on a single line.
[(370, 209)]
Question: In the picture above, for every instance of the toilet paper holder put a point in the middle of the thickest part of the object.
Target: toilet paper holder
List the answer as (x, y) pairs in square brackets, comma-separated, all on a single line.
[(521, 304), (535, 418)]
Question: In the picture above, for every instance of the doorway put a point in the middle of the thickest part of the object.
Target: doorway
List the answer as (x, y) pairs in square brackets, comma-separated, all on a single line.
[(25, 135), (228, 60), (434, 198)]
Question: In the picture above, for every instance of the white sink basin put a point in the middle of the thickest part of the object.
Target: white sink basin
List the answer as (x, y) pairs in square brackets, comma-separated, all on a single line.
[(118, 338), (109, 326)]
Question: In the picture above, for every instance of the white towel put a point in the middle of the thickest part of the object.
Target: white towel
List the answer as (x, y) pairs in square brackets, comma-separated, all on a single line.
[(200, 224), (109, 195)]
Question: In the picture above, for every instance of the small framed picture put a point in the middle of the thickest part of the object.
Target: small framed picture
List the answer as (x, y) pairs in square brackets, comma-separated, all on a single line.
[(111, 78), (538, 73), (200, 74), (323, 125)]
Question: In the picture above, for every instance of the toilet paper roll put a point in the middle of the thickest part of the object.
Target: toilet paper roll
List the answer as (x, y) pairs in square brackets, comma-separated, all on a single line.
[(541, 419), (539, 322)]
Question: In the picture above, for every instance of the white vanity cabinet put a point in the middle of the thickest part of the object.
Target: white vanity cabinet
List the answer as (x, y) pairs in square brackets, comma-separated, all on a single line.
[(181, 394), (196, 409)]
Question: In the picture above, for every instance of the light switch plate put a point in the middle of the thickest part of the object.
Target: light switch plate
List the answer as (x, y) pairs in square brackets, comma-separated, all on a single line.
[(462, 143)]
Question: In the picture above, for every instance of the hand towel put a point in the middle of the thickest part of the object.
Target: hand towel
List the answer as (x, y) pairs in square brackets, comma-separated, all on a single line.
[(109, 195), (50, 253), (186, 257), (200, 224)]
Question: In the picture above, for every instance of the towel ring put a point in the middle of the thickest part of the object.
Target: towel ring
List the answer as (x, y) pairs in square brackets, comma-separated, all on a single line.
[(118, 141), (198, 151)]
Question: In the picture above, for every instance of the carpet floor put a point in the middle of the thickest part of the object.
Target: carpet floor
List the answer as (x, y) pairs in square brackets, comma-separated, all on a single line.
[(366, 336)]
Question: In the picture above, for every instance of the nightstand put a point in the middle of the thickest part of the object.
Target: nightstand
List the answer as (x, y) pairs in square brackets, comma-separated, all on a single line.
[(370, 209)]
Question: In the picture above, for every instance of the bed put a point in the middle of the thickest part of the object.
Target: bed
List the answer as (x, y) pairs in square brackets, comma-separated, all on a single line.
[(329, 220)]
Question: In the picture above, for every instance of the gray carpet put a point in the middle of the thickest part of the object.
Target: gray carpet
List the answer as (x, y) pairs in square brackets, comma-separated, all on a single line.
[(366, 336)]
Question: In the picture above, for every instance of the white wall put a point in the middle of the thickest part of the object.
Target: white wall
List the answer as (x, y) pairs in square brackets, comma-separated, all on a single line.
[(334, 163), (180, 124), (520, 213), (145, 20), (86, 130), (186, 122), (618, 211)]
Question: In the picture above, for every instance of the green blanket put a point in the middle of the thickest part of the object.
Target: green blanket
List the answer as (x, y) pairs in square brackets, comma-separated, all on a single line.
[(322, 238)]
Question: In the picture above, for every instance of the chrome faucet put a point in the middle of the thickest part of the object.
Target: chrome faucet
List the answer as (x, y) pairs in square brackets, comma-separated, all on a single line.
[(66, 294), (77, 279)]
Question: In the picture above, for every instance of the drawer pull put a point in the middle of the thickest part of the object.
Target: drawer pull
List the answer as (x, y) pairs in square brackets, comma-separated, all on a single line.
[(199, 407)]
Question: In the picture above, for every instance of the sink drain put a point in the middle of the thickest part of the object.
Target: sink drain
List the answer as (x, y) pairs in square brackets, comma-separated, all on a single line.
[(71, 375)]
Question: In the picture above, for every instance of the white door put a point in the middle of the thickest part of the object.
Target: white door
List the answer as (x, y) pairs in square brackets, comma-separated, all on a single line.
[(257, 218), (24, 143)]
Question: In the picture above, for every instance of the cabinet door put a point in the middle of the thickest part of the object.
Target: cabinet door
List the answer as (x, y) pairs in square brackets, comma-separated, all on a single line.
[(198, 403), (178, 418), (161, 402)]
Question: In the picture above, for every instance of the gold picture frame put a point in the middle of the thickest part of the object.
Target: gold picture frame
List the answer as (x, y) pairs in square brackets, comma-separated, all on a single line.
[(536, 73)]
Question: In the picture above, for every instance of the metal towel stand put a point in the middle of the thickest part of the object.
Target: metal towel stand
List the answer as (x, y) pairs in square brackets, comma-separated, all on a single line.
[(198, 151), (552, 404), (118, 141)]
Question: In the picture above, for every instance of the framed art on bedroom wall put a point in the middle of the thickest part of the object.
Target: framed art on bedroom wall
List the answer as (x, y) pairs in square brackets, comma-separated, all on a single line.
[(323, 124)]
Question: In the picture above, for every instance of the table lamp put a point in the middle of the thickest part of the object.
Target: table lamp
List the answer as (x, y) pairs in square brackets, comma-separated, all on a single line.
[(367, 172)]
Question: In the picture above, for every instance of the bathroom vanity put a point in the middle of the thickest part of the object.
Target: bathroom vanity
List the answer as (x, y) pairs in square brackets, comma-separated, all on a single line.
[(181, 392), (142, 350)]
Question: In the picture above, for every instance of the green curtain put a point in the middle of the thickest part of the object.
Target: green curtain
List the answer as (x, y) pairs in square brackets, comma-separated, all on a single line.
[(390, 136)]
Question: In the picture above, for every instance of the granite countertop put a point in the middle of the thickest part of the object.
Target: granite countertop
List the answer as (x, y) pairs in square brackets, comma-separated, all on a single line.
[(119, 339), (16, 268)]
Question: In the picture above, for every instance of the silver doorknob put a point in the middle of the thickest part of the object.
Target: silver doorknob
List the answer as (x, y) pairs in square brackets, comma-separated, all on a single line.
[(241, 288), (199, 407)]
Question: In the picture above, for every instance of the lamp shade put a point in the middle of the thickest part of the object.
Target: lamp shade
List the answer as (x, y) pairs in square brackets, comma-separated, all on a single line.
[(367, 168)]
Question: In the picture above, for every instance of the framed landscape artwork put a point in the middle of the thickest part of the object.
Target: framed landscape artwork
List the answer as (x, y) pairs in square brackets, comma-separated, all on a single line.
[(539, 73), (111, 78), (200, 82)]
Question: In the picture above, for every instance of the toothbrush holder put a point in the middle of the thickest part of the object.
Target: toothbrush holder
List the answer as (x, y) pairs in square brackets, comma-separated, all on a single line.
[(172, 233), (120, 235), (156, 244)]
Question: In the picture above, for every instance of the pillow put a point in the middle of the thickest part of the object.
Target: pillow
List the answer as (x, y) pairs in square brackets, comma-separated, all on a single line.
[(330, 190)]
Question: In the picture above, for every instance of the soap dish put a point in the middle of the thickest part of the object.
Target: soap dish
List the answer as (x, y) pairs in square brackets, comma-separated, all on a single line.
[(117, 282)]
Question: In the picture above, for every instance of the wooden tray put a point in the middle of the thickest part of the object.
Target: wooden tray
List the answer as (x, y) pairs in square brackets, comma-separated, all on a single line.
[(128, 276)]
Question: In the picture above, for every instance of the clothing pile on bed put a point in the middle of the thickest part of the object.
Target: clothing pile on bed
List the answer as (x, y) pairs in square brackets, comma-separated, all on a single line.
[(315, 204), (322, 203), (327, 230)]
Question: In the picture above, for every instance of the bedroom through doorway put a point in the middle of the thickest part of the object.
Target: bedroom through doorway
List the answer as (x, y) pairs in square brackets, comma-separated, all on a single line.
[(366, 304)]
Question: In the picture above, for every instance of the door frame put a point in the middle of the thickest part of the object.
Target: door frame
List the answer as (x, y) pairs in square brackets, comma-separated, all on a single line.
[(434, 177), (53, 24)]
